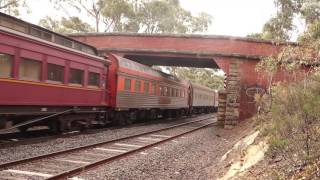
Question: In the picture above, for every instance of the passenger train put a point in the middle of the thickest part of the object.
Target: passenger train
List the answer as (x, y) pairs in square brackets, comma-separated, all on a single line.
[(49, 79)]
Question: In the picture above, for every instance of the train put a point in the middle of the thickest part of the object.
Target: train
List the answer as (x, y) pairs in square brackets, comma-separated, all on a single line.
[(48, 79)]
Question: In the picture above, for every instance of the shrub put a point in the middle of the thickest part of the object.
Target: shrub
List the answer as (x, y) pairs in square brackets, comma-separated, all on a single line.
[(292, 123)]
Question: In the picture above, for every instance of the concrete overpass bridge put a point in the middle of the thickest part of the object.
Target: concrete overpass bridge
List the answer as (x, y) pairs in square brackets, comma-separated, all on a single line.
[(236, 56)]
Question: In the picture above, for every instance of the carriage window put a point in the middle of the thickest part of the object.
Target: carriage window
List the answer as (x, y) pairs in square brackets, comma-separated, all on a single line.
[(35, 32), (161, 90), (169, 91), (146, 87), (6, 65), (76, 76), (46, 36), (177, 93), (55, 73), (94, 79), (183, 93), (127, 84), (137, 86), (172, 92), (30, 69), (153, 88), (165, 89)]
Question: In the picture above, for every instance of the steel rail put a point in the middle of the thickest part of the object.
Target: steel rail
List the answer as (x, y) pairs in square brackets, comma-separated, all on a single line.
[(75, 171), (49, 155), (22, 141)]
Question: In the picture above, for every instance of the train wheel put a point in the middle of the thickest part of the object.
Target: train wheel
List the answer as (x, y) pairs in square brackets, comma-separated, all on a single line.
[(142, 115), (152, 114), (179, 113), (54, 127), (167, 114), (132, 117), (23, 129), (128, 118), (120, 119), (3, 122)]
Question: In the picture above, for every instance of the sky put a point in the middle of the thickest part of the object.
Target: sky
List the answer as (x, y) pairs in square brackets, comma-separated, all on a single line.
[(230, 17), (234, 17)]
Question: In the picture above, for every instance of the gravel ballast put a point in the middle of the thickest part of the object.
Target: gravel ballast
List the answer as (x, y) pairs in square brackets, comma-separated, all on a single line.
[(17, 152), (193, 156)]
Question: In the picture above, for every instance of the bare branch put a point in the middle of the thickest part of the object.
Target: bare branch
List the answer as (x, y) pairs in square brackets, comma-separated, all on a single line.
[(9, 4)]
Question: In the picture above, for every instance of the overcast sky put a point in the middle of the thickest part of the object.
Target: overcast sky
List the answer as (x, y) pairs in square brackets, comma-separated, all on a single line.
[(230, 17)]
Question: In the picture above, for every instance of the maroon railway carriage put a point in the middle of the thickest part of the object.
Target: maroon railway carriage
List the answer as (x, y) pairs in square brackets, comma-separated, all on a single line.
[(42, 72), (140, 92), (65, 85)]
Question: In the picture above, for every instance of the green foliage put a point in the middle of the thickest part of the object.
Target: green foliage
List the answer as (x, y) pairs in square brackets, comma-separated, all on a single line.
[(255, 36), (167, 16), (293, 122), (312, 34), (280, 27), (206, 77), (71, 25), (149, 16), (119, 16), (92, 8)]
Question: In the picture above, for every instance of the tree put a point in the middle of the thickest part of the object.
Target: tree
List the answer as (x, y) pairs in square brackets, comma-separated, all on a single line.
[(280, 27), (11, 7), (71, 25), (92, 8), (167, 16), (203, 76), (156, 16), (119, 16), (51, 24)]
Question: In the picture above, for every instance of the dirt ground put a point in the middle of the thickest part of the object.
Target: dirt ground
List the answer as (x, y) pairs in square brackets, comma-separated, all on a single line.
[(236, 161)]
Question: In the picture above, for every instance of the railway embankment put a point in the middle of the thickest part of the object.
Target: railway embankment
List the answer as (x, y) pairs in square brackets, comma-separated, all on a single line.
[(289, 121)]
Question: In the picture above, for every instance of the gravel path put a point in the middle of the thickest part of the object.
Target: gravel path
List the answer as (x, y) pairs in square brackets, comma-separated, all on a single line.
[(194, 156), (23, 151)]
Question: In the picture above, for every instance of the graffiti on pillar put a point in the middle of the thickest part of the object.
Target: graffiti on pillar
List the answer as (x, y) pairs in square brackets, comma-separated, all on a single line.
[(252, 91)]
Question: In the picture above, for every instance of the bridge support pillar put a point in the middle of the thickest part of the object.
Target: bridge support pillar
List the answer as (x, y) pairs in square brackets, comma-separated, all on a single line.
[(229, 100)]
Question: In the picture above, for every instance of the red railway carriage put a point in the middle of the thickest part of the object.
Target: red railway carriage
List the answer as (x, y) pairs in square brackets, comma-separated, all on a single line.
[(42, 72), (62, 83), (141, 91)]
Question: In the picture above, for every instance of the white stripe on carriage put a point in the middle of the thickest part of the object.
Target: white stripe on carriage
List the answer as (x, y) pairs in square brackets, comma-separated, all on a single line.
[(72, 161), (150, 139), (143, 153), (159, 135), (157, 148), (111, 150), (128, 145), (28, 173)]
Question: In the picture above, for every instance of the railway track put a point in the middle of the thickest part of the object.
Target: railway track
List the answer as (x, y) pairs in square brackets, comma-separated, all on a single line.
[(17, 138), (68, 163)]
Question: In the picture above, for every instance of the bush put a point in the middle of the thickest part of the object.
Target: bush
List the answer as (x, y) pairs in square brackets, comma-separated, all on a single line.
[(292, 122)]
